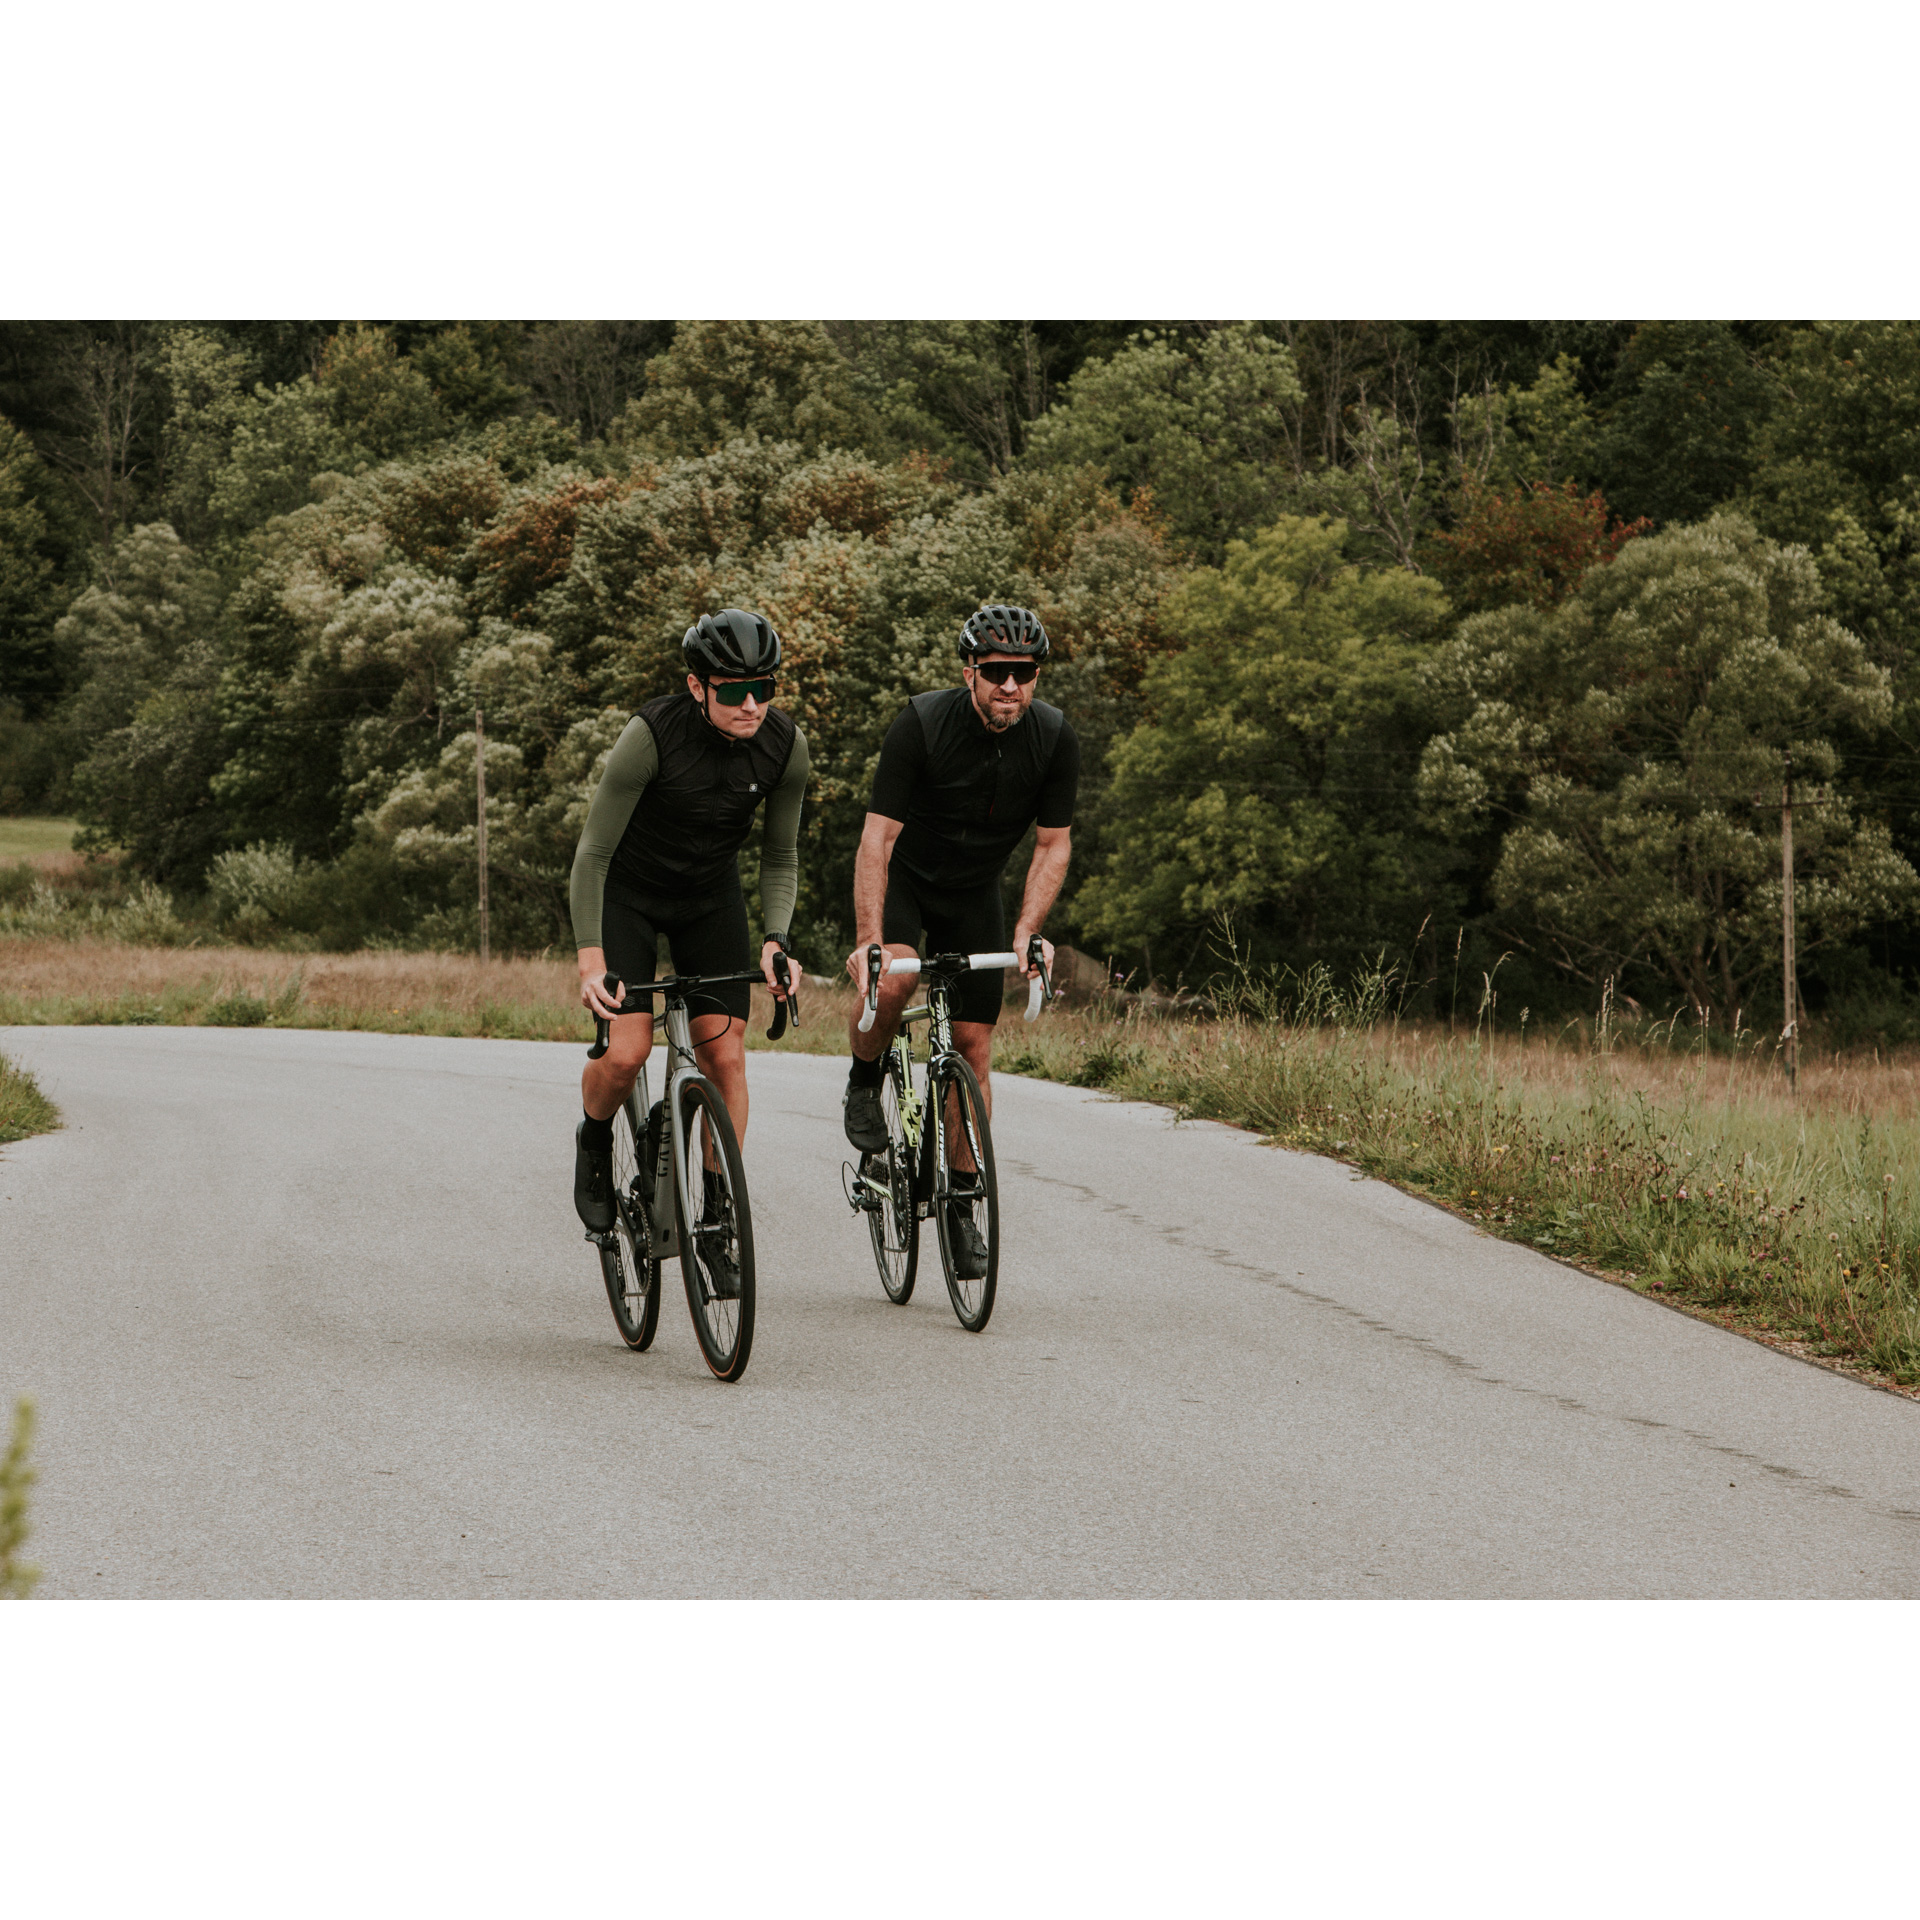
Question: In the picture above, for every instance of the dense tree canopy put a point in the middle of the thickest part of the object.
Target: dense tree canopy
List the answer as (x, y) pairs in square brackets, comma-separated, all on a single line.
[(1390, 637), (1263, 785), (1636, 739)]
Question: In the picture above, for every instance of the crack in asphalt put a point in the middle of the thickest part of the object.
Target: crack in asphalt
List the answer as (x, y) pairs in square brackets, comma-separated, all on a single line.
[(1224, 1257)]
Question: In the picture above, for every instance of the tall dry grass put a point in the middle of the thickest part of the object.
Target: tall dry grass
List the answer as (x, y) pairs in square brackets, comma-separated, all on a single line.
[(62, 982), (81, 982)]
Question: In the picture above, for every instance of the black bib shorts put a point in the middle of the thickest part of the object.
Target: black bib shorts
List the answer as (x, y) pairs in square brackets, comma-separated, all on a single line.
[(704, 935), (970, 920)]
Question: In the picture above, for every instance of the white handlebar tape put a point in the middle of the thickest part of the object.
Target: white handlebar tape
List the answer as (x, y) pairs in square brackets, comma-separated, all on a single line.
[(983, 962), (903, 966), (866, 1019), (1035, 994)]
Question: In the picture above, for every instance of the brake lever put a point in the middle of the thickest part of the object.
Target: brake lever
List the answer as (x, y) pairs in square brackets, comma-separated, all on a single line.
[(873, 990), (784, 974), (1041, 991), (602, 1027)]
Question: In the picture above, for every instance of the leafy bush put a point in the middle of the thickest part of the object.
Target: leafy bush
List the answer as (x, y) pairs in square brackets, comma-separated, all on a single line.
[(148, 919), (256, 892)]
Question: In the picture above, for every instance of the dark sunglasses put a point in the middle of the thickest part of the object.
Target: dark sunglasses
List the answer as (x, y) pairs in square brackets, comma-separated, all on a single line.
[(1020, 672), (733, 693)]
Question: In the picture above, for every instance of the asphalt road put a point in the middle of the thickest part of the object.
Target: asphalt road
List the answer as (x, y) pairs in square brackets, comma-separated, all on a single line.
[(309, 1314)]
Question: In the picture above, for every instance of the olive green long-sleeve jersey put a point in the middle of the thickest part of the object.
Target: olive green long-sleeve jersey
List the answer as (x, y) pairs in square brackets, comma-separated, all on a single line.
[(631, 766)]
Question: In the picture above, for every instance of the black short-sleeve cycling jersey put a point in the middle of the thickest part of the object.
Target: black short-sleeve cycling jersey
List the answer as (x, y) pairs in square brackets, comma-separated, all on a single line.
[(966, 793)]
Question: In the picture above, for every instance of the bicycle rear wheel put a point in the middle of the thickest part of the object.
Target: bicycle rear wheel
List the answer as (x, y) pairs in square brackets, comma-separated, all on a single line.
[(627, 1262), (716, 1228), (960, 1107), (895, 1223)]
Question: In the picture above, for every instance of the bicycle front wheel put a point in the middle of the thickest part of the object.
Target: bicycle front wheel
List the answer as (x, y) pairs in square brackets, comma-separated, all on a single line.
[(894, 1223), (966, 1216), (716, 1228), (627, 1261)]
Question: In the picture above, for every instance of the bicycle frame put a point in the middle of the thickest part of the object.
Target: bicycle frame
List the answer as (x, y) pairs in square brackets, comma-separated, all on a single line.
[(666, 1175), (915, 1106)]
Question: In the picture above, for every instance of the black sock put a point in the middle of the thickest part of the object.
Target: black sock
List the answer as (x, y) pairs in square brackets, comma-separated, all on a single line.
[(866, 1073), (597, 1135)]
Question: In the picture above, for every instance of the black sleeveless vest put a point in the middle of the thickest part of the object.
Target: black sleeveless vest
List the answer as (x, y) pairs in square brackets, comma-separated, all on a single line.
[(697, 811)]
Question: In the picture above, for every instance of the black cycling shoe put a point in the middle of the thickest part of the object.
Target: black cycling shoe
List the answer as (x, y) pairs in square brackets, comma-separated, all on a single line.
[(968, 1243), (866, 1119), (592, 1184)]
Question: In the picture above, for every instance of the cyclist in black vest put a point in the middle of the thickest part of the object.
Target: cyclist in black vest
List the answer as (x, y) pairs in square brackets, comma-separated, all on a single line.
[(659, 854), (963, 773)]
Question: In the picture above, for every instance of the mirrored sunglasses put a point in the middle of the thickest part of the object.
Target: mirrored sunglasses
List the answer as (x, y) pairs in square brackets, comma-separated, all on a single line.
[(1001, 671), (733, 693)]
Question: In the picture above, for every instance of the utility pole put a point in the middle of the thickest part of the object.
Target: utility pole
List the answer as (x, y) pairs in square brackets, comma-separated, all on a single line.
[(1789, 988), (480, 813)]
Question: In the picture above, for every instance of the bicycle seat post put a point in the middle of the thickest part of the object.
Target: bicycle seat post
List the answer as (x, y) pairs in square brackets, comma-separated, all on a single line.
[(679, 1031)]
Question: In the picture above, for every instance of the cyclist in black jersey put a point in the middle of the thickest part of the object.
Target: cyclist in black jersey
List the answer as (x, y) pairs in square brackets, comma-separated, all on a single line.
[(660, 855), (963, 773)]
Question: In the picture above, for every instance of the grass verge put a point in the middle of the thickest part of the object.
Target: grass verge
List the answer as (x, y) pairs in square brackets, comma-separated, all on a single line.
[(24, 1109), (1696, 1178)]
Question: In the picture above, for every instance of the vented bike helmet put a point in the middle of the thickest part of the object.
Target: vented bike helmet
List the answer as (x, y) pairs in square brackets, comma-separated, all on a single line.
[(731, 643), (999, 629)]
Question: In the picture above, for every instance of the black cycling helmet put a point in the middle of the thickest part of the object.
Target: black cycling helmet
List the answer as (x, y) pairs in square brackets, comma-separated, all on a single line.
[(731, 643), (998, 629)]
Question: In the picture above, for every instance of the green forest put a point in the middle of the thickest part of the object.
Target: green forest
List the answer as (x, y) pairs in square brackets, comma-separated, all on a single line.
[(1477, 650)]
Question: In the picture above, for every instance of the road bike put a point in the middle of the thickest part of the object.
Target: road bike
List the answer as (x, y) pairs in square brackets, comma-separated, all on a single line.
[(679, 1186), (913, 1179)]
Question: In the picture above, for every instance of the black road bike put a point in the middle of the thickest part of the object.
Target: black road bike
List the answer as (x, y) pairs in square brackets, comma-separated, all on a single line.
[(934, 1133), (679, 1186)]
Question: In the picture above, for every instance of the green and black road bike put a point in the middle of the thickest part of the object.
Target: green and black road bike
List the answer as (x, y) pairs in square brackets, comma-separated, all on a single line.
[(679, 1186), (938, 1163)]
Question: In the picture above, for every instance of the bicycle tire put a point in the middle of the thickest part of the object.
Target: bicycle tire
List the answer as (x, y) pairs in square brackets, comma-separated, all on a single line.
[(972, 1298), (722, 1322), (894, 1226), (628, 1264)]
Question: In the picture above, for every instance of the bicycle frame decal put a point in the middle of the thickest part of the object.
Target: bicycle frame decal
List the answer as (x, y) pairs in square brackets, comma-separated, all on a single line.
[(911, 1104)]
